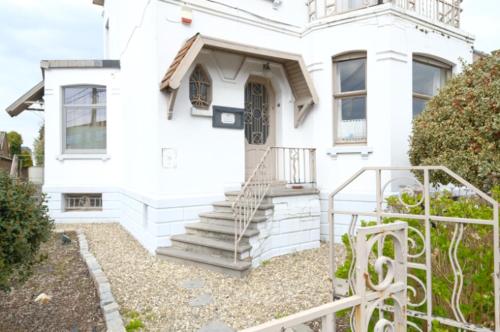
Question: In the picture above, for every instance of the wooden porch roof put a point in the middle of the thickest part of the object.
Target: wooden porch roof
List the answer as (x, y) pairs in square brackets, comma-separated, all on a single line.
[(293, 64)]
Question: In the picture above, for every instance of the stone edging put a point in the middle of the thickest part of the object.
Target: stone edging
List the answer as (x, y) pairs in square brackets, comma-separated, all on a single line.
[(109, 307)]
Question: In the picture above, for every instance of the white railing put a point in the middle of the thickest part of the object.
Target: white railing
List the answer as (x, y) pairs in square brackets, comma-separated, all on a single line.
[(277, 165), (444, 11), (425, 259), (367, 295)]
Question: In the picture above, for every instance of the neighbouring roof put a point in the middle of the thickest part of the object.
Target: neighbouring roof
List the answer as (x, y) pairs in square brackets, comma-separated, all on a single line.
[(47, 64), (25, 101), (98, 2), (294, 65)]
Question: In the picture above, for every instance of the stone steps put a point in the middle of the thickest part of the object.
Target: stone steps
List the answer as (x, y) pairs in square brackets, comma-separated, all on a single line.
[(227, 207), (210, 242), (219, 264), (210, 246)]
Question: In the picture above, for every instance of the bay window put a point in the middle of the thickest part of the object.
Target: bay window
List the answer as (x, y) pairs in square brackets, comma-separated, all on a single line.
[(350, 98), (428, 77)]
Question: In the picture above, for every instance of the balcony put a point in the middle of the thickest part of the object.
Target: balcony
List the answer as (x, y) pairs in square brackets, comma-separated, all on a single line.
[(442, 11)]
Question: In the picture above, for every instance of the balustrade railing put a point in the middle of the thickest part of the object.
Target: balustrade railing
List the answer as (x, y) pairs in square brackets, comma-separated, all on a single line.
[(444, 11), (280, 166)]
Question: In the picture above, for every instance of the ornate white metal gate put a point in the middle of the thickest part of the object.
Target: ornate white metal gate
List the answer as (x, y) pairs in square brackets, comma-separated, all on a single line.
[(421, 254), (368, 295)]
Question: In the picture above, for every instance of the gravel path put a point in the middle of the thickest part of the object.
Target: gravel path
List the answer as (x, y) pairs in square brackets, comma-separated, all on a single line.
[(161, 293)]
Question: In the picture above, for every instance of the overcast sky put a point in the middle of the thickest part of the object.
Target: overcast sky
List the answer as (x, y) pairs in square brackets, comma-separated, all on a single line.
[(32, 30)]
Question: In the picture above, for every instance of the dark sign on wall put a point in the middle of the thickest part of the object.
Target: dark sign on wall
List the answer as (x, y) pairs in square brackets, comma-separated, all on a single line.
[(227, 117)]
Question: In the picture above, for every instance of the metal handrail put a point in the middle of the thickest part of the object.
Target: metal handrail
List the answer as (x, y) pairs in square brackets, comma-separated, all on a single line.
[(292, 166), (249, 199)]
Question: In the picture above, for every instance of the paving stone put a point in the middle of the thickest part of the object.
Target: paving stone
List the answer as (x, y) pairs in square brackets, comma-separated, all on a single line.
[(216, 326), (193, 284), (202, 300)]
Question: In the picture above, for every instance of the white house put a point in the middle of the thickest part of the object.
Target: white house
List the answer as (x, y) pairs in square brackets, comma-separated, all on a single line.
[(195, 100)]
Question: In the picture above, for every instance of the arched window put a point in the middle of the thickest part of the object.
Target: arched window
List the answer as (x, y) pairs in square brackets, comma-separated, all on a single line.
[(200, 88)]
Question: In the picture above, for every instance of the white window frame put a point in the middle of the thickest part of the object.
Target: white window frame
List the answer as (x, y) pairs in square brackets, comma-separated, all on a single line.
[(338, 96), (426, 60), (63, 122)]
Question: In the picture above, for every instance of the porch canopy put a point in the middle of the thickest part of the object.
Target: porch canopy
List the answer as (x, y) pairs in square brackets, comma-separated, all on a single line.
[(34, 95), (293, 64)]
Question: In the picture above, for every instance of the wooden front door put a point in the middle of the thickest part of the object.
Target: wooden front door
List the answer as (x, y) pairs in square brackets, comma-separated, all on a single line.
[(259, 122)]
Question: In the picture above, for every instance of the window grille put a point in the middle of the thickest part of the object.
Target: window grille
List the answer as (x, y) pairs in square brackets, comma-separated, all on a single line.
[(82, 202), (200, 88)]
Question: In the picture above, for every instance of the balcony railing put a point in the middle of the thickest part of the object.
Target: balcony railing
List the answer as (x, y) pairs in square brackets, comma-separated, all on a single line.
[(443, 11)]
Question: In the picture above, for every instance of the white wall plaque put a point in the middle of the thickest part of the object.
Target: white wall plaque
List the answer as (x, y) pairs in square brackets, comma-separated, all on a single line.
[(169, 158), (228, 118)]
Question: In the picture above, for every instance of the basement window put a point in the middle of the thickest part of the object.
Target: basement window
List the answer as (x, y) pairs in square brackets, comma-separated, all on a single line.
[(82, 202)]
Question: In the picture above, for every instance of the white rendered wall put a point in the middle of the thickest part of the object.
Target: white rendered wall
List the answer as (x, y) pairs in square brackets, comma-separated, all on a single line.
[(146, 35)]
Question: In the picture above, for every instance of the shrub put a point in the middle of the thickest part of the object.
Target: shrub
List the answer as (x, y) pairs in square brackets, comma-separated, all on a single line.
[(460, 127), (15, 142), (24, 225), (475, 255)]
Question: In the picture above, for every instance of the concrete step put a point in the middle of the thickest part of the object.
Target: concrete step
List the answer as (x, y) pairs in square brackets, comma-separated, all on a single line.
[(218, 231), (227, 207), (232, 195), (220, 264), (210, 246), (228, 216)]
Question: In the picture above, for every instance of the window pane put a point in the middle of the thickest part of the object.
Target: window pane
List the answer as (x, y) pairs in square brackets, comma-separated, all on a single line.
[(352, 119), (84, 95), (85, 128), (427, 79), (418, 106), (351, 75)]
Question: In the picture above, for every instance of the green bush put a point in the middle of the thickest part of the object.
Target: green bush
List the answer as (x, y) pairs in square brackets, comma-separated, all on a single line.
[(475, 255), (24, 225), (460, 127)]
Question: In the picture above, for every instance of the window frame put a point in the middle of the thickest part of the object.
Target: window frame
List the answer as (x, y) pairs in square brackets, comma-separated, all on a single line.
[(210, 87), (64, 149), (427, 60), (338, 96)]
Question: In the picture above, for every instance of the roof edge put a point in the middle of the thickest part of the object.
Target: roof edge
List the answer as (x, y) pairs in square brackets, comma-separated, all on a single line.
[(110, 64), (22, 103)]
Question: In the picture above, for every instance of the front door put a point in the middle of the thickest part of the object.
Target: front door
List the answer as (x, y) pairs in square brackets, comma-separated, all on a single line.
[(259, 122)]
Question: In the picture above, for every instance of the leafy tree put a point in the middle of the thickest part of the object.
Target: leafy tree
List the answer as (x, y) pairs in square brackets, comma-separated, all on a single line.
[(25, 157), (460, 127), (39, 146), (15, 142), (24, 225)]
